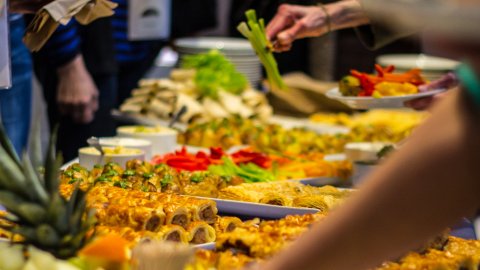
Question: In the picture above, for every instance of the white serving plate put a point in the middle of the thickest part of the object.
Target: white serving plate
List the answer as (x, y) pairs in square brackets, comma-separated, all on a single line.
[(206, 246), (250, 209), (320, 128), (422, 61), (320, 181), (365, 103), (234, 46)]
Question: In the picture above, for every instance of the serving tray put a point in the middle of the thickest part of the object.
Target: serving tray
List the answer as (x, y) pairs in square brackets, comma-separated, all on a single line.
[(249, 209)]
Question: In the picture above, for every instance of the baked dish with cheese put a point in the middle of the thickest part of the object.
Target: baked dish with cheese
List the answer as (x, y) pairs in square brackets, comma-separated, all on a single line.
[(292, 194)]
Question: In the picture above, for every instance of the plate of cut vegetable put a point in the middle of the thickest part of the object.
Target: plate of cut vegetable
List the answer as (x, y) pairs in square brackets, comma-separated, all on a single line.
[(385, 89)]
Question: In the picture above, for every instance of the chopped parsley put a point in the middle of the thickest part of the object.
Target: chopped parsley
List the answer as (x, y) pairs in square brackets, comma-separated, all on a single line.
[(74, 180), (77, 169), (197, 178), (110, 173), (121, 184), (129, 173), (167, 179), (102, 179), (226, 178), (148, 175)]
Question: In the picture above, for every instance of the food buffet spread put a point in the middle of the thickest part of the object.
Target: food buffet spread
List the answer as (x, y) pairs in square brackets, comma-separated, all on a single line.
[(230, 160)]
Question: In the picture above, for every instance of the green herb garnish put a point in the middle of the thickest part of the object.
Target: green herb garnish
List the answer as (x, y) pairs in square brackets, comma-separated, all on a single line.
[(110, 173), (127, 173), (167, 179), (68, 173), (102, 179), (197, 178), (74, 180), (121, 184), (148, 175)]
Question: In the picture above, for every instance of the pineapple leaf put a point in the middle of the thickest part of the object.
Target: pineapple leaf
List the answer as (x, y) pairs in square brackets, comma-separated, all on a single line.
[(8, 146), (10, 201), (9, 217), (11, 177), (33, 180), (39, 213), (53, 163), (57, 213), (72, 202), (36, 145), (26, 231), (47, 236), (32, 213)]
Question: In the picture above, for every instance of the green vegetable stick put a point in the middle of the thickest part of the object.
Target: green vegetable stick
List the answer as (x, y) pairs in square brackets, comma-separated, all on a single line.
[(254, 31)]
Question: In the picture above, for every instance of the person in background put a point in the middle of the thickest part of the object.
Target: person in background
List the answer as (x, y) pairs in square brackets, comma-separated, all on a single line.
[(77, 71), (16, 102), (431, 183), (93, 69)]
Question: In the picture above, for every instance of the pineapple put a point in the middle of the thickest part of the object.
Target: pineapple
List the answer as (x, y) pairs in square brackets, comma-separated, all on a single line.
[(41, 216)]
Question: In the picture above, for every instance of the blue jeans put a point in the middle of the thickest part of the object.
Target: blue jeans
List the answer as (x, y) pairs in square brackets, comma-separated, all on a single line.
[(16, 102)]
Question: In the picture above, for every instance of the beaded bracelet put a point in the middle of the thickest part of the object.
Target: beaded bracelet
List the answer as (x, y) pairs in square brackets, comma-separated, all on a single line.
[(328, 19)]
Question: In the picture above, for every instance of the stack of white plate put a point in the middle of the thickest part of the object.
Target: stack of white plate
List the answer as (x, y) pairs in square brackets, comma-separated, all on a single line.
[(432, 67), (238, 51)]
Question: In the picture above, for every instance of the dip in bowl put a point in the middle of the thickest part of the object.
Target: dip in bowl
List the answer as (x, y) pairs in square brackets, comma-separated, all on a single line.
[(163, 139), (144, 145), (89, 156)]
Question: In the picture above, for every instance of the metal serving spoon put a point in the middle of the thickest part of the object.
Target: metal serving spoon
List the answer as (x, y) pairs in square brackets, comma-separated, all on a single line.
[(94, 142), (177, 116)]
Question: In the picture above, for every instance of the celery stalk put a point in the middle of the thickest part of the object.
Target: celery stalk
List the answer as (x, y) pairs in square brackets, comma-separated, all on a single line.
[(254, 31)]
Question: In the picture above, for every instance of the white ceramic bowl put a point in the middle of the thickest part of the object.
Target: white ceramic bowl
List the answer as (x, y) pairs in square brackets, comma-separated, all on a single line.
[(89, 156), (144, 145), (164, 140), (387, 102)]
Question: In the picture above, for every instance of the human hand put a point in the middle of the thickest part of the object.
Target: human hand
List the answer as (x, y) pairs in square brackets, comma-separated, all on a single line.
[(294, 22), (425, 103), (77, 94), (26, 6), (447, 81)]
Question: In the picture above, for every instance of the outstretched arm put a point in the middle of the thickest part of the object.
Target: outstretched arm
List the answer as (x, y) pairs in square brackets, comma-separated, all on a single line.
[(428, 185), (293, 22), (77, 94)]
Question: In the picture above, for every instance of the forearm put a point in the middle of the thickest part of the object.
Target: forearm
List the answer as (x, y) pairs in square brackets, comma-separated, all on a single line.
[(73, 66), (346, 14), (425, 187)]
